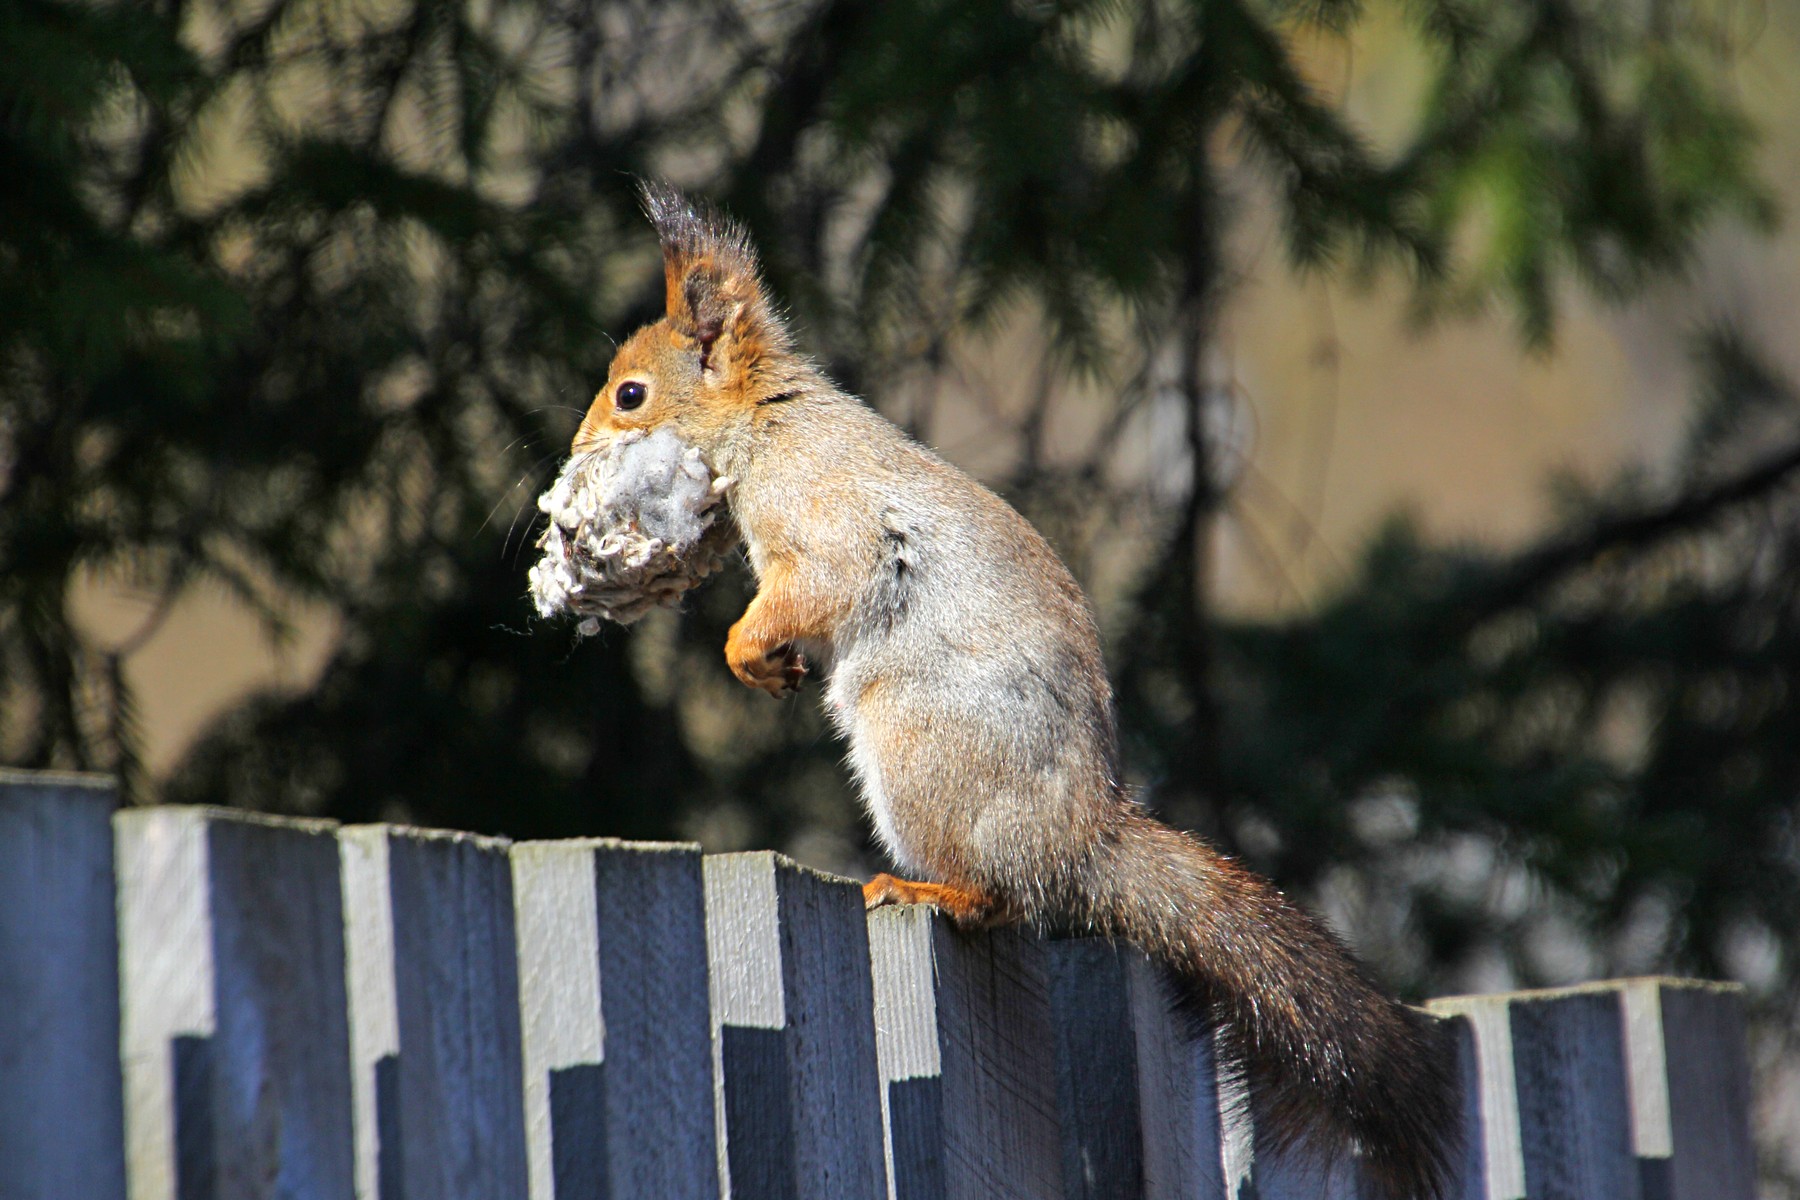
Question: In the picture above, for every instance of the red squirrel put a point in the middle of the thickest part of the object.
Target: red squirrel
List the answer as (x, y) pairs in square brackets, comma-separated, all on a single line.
[(963, 668)]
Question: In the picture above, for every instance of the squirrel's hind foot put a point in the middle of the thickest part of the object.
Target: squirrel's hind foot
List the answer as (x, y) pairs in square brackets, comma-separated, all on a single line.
[(968, 910)]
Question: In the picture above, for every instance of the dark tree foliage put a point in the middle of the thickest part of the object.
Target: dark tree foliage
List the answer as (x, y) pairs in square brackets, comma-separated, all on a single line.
[(1605, 720), (302, 298), (1575, 762)]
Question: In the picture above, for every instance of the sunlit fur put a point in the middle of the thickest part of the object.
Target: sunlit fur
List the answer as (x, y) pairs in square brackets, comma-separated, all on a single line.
[(964, 669)]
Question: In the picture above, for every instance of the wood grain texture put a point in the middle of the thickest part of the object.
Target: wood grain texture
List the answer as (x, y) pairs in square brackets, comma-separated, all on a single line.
[(1573, 1096), (613, 984), (374, 1019), (280, 1052), (1178, 1094), (450, 1103), (235, 1032), (907, 1051), (1707, 1085), (166, 989), (1003, 1131), (559, 993), (1501, 1150), (1096, 1069), (656, 1002), (792, 1004), (61, 1091), (988, 1123)]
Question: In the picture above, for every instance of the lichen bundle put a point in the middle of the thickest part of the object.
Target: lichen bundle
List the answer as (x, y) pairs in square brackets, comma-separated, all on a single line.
[(631, 527)]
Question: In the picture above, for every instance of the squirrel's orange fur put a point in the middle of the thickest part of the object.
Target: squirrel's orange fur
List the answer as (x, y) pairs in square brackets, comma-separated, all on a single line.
[(964, 670)]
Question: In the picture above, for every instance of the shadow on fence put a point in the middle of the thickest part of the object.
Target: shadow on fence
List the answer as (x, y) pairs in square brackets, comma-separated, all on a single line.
[(202, 1004)]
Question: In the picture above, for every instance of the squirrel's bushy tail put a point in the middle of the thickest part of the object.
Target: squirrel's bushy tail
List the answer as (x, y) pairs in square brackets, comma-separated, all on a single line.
[(1325, 1054)]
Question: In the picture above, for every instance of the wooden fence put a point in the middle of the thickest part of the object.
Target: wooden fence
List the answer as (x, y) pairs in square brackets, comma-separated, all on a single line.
[(205, 1004)]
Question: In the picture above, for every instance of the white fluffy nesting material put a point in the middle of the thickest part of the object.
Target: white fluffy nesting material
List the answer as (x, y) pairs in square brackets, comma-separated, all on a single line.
[(631, 527)]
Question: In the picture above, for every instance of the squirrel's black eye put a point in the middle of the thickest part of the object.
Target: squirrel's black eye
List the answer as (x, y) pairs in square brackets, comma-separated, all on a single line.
[(630, 395)]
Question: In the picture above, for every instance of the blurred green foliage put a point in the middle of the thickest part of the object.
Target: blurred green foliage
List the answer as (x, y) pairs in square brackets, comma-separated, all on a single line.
[(304, 297)]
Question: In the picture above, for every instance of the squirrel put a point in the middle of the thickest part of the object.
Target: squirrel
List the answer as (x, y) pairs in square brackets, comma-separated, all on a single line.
[(965, 673)]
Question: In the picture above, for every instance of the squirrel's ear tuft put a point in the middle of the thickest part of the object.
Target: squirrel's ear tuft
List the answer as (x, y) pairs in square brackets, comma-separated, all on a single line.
[(714, 287)]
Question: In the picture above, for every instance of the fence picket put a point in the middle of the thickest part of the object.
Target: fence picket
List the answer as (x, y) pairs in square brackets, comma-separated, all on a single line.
[(1096, 1069), (1178, 1094), (1690, 1085), (1495, 1140), (1574, 1111), (618, 1074), (235, 1033), (61, 1092), (374, 1013), (1469, 1173), (798, 1093), (985, 1122), (448, 1103)]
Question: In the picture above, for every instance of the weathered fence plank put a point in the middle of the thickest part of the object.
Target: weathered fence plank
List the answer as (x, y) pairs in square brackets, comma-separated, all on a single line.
[(798, 1092), (1096, 1069), (968, 1060), (445, 1077), (559, 997), (166, 998), (1690, 1090), (1574, 1107), (1178, 1094), (235, 1036), (1494, 1138), (61, 1092), (613, 987), (909, 1058), (374, 1014), (1469, 1176)]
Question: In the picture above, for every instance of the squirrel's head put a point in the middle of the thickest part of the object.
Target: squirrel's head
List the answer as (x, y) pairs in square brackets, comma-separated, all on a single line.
[(717, 351)]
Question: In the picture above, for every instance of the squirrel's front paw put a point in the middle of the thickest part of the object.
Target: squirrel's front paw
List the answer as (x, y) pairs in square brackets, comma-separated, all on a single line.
[(777, 671)]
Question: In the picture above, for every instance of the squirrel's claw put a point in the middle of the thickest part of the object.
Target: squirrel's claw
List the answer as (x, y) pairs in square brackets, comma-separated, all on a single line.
[(778, 671)]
